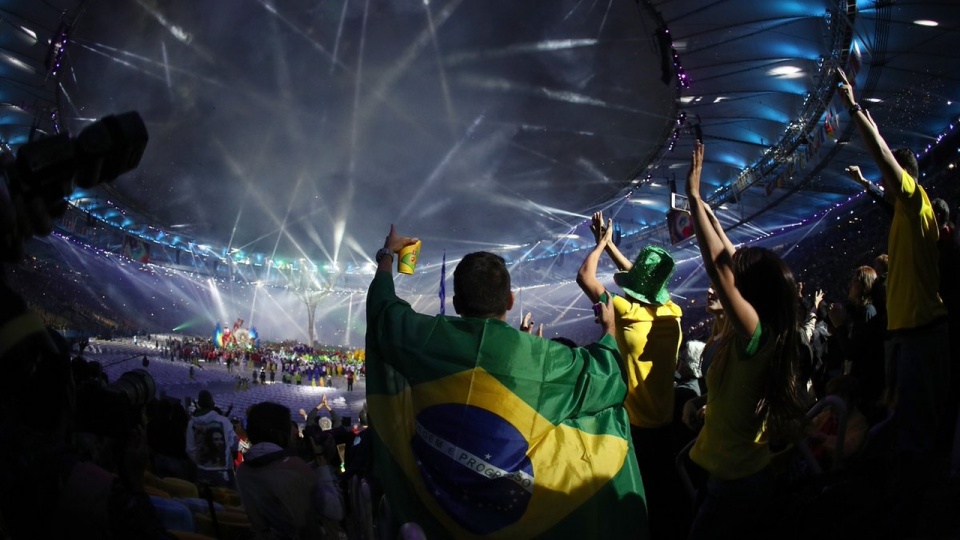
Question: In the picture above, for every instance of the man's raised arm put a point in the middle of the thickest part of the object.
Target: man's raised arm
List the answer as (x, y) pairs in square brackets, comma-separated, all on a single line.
[(890, 170)]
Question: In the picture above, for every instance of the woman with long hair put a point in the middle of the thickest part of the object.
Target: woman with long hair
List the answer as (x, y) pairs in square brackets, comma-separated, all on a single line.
[(861, 328), (860, 292), (753, 398)]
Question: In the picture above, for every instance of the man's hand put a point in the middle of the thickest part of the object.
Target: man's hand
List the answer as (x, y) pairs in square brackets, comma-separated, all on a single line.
[(696, 168), (817, 298), (845, 90), (527, 325), (395, 242), (853, 171), (604, 315)]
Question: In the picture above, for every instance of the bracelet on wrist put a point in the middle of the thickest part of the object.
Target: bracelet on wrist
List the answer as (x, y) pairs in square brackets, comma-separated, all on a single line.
[(855, 108), (383, 252)]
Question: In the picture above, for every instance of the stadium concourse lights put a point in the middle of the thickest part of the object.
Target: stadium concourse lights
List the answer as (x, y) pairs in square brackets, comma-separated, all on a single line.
[(16, 62), (28, 34), (786, 72)]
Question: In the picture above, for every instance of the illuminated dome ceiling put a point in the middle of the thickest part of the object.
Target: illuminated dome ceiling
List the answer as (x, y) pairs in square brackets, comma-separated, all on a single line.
[(303, 129)]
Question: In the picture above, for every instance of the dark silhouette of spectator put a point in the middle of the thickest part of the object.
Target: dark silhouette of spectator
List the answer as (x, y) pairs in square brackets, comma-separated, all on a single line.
[(686, 387), (825, 350), (318, 432), (47, 486), (949, 249), (860, 330), (881, 265), (949, 287), (46, 490), (283, 496), (166, 436)]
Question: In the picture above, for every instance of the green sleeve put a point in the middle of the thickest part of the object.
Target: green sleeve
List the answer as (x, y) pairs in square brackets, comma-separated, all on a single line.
[(754, 343), (380, 295), (395, 332), (601, 384)]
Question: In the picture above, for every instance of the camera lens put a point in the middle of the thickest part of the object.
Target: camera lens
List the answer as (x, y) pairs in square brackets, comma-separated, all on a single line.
[(137, 385)]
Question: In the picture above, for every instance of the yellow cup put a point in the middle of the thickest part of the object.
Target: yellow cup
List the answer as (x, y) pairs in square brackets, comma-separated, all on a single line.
[(407, 262)]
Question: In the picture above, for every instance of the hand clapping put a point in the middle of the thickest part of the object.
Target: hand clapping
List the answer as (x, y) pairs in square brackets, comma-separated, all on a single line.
[(527, 325)]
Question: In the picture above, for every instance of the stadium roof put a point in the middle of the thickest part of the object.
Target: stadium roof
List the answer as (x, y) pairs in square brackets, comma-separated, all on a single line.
[(302, 130)]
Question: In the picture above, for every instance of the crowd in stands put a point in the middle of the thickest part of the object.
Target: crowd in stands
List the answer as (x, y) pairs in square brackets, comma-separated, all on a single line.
[(819, 405), (56, 295), (780, 410), (180, 477), (165, 479)]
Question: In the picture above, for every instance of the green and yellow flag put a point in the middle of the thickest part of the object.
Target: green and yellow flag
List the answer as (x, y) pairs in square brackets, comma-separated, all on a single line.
[(483, 431)]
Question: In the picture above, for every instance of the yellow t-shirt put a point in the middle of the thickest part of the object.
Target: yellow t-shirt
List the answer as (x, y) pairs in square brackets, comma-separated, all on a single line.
[(733, 442), (649, 340), (914, 272)]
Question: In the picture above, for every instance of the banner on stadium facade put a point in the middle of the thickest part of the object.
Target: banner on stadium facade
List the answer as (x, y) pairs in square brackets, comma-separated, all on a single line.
[(136, 249)]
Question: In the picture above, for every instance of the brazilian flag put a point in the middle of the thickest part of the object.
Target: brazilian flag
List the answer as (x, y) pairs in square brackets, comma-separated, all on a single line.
[(482, 431)]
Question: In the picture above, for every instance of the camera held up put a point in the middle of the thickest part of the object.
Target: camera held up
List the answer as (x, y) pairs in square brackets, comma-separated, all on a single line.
[(113, 410), (45, 171)]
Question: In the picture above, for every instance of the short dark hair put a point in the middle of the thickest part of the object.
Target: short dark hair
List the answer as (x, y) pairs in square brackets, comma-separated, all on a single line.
[(941, 210), (269, 422), (881, 264), (481, 285), (205, 399), (908, 161)]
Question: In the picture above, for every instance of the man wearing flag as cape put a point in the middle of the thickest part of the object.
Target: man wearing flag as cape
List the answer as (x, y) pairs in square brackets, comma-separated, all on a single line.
[(483, 431)]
